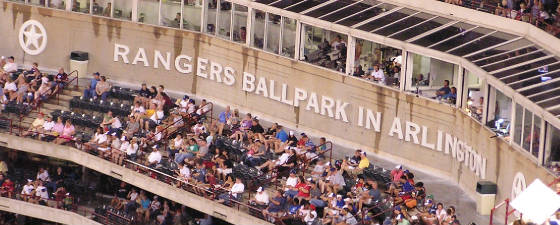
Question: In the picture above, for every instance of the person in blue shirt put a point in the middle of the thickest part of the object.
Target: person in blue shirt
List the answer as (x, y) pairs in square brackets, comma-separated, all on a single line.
[(281, 134), (451, 96), (444, 90), (223, 118), (89, 92), (278, 139)]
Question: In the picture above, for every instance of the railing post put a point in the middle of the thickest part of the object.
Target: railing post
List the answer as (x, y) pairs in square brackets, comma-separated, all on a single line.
[(507, 211)]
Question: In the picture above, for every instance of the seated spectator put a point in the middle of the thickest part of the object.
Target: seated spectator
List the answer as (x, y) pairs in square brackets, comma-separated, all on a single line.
[(112, 123), (47, 127), (67, 133), (290, 188), (27, 190), (155, 157), (451, 96), (155, 118), (103, 88), (235, 192), (90, 90), (36, 125), (7, 188), (245, 126), (10, 89), (10, 66), (261, 199), (444, 90), (42, 93), (378, 74), (59, 80), (132, 149), (276, 206), (286, 160)]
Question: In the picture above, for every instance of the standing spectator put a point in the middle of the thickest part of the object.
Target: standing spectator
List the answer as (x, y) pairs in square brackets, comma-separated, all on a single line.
[(223, 118)]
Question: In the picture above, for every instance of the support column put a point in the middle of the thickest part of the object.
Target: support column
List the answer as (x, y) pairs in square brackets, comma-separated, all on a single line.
[(299, 43), (404, 67), (68, 4), (203, 16), (350, 55), (459, 87), (182, 12), (250, 19)]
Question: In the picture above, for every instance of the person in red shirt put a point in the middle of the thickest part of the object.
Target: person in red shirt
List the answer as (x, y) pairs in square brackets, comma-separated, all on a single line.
[(304, 188), (7, 189)]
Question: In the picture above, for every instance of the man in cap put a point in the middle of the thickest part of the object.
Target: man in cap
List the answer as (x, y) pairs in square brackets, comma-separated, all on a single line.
[(155, 157), (89, 92), (261, 198)]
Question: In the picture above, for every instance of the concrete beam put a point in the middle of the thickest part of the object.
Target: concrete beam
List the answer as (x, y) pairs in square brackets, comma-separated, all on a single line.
[(43, 212), (231, 215)]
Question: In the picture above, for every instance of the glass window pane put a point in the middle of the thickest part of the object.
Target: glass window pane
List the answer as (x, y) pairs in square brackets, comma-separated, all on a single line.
[(37, 2), (542, 88), (535, 76), (103, 8), (258, 29), (346, 12), (286, 3), (483, 43), (535, 138), (80, 6), (123, 9), (305, 5), (148, 11), (288, 37), (225, 20), (523, 57), (552, 149), (324, 48), (417, 30), (364, 15), (500, 50), (474, 95), (191, 15), (377, 62), (526, 67), (461, 39), (386, 19), (443, 34), (329, 8), (518, 123), (21, 1), (434, 78), (240, 23), (403, 24), (171, 13), (57, 4), (527, 133), (273, 33), (211, 17), (499, 112)]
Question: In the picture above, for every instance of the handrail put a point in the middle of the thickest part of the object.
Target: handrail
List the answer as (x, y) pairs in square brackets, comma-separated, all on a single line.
[(308, 161), (382, 201)]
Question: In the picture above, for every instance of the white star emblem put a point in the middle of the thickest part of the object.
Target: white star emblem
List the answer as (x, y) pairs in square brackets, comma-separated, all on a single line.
[(32, 37)]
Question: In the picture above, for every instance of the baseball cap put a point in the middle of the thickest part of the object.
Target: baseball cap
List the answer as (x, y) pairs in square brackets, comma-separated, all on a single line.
[(292, 133), (399, 217), (429, 201), (185, 97), (154, 147), (398, 167), (331, 195), (96, 73), (259, 189)]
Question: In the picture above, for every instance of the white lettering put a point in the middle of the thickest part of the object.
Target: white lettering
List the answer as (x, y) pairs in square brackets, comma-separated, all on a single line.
[(460, 154), (248, 82), (121, 51), (409, 132), (271, 90), (396, 128), (327, 105), (340, 111), (299, 95), (425, 138), (141, 57), (374, 120), (185, 67), (439, 141), (261, 87), (229, 78), (312, 103), (216, 71), (158, 58), (201, 67), (285, 99), (450, 143)]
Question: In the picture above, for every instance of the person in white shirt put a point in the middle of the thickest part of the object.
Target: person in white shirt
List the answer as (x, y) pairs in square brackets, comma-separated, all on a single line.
[(183, 104), (99, 138), (132, 149), (155, 119), (10, 66), (236, 191), (43, 175), (10, 89), (155, 157), (42, 193), (184, 173), (291, 182), (378, 74), (203, 108), (27, 190), (307, 213), (118, 154), (47, 126), (137, 109), (262, 198), (199, 128)]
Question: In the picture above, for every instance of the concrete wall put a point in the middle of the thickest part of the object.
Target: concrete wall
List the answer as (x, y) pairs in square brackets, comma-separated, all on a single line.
[(231, 215), (98, 36), (43, 212)]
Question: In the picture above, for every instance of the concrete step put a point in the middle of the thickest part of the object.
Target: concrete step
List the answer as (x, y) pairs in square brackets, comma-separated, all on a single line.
[(51, 106), (71, 92), (61, 102)]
